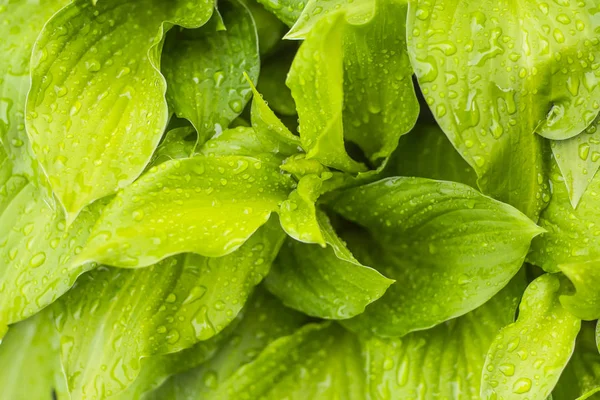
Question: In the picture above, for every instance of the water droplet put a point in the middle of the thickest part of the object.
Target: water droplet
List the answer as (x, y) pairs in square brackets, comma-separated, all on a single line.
[(37, 260), (522, 385), (507, 369)]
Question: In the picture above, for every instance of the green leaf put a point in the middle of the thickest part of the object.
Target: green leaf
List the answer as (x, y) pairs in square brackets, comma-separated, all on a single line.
[(21, 23), (269, 29), (175, 145), (204, 69), (206, 205), (37, 251), (324, 282), (449, 248), (581, 377), (578, 159), (318, 90), (287, 11), (345, 79), (156, 370), (585, 302), (114, 317), (445, 361), (264, 320), (298, 214), (271, 82), (319, 361), (96, 108), (356, 13), (525, 68), (528, 356), (427, 153), (571, 234), (29, 354)]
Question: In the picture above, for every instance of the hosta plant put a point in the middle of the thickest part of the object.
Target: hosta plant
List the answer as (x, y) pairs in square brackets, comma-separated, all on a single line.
[(289, 199)]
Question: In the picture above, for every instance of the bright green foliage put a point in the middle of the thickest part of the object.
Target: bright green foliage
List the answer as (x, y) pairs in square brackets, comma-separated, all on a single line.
[(324, 282), (581, 377), (204, 69), (572, 235), (299, 199), (442, 362), (449, 248), (96, 109), (152, 311), (21, 22), (30, 360), (319, 361), (179, 206), (527, 357)]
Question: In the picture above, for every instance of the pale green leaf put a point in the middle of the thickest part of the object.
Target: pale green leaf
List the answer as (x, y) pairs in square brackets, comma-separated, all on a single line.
[(96, 108), (494, 73), (527, 357), (204, 69), (21, 23), (287, 11), (206, 205), (37, 251), (178, 143), (444, 362), (324, 282), (585, 302), (317, 362), (317, 86), (427, 153), (264, 320), (581, 377), (271, 82), (29, 355), (156, 370), (298, 214), (357, 12), (113, 318), (572, 235), (578, 159), (449, 248), (269, 29), (346, 80)]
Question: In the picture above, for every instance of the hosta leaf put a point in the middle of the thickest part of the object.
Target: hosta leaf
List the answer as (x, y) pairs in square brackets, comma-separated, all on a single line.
[(96, 108), (37, 252), (572, 235), (155, 370), (287, 11), (494, 73), (319, 361), (444, 362), (585, 302), (581, 377), (449, 248), (298, 214), (356, 13), (578, 159), (317, 88), (264, 320), (206, 205), (21, 23), (175, 145), (114, 317), (29, 354), (204, 69), (271, 82), (269, 29), (527, 357), (427, 153), (346, 92), (324, 282)]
